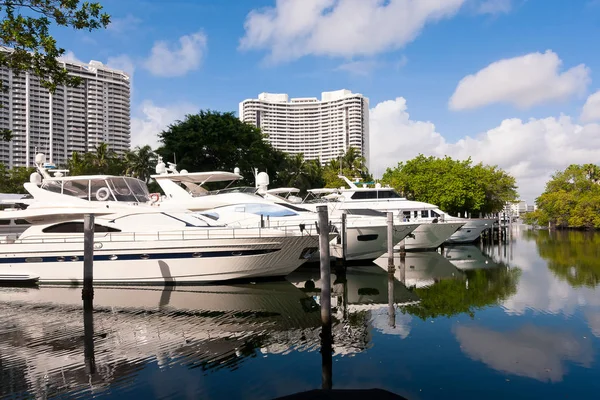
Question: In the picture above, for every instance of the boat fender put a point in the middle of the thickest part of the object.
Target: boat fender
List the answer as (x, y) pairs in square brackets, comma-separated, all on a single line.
[(155, 197), (102, 194)]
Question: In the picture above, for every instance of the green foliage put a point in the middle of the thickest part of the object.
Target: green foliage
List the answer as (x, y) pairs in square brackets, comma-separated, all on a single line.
[(12, 180), (25, 29), (571, 199), (572, 256), (455, 186), (300, 173), (140, 163), (351, 165), (6, 135), (486, 287), (216, 141), (101, 161)]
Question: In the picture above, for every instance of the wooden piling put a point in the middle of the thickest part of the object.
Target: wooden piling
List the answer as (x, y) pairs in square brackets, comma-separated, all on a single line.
[(344, 234), (88, 336), (391, 308), (326, 339), (88, 257), (390, 239), (325, 265)]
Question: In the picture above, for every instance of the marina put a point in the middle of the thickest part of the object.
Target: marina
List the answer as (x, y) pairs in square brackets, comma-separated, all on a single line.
[(493, 321)]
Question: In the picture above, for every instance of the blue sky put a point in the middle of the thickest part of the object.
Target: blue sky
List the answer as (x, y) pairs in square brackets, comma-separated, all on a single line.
[(533, 64)]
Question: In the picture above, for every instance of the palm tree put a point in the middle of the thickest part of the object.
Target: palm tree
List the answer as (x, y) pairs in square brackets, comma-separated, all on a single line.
[(102, 156), (139, 162)]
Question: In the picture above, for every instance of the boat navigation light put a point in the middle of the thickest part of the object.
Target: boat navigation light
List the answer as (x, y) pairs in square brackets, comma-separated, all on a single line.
[(236, 170)]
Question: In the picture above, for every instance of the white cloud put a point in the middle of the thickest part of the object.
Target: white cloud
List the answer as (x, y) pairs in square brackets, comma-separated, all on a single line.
[(296, 28), (123, 25), (530, 150), (522, 81), (591, 108), (167, 59), (123, 63), (152, 119), (494, 7), (70, 56)]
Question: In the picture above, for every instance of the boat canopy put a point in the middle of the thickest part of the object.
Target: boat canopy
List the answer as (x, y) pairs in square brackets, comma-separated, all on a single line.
[(283, 190), (99, 188), (200, 177)]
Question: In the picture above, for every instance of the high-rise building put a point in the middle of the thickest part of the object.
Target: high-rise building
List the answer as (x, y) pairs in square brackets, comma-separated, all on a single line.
[(320, 129), (68, 120)]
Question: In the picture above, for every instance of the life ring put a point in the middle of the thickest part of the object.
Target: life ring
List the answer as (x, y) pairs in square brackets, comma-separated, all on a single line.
[(155, 197), (102, 194)]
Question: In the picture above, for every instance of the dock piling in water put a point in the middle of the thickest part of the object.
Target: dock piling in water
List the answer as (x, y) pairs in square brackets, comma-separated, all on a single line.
[(344, 237), (390, 239), (88, 256), (325, 265)]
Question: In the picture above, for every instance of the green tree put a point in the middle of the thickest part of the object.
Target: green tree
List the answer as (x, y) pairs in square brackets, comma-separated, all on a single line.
[(25, 33), (212, 140), (571, 199), (486, 287), (453, 185), (140, 162), (300, 173), (12, 180), (102, 160), (351, 164)]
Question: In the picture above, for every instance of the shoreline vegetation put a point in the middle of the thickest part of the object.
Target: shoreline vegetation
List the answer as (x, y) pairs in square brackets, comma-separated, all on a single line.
[(571, 200), (213, 141)]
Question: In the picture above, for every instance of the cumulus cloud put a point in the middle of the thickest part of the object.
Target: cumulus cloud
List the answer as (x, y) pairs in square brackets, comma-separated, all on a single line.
[(169, 60), (529, 351), (530, 150), (522, 81), (123, 63), (151, 119), (591, 108), (296, 28)]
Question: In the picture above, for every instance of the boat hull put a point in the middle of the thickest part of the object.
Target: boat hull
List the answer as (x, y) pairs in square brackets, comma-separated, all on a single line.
[(431, 236), (159, 262), (470, 231)]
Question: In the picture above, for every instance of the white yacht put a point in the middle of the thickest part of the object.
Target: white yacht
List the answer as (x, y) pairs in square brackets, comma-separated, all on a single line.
[(458, 230), (142, 245), (366, 237), (135, 242)]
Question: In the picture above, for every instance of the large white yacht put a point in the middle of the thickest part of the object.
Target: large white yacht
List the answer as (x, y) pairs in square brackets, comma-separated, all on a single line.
[(386, 199), (366, 237), (141, 245), (135, 242)]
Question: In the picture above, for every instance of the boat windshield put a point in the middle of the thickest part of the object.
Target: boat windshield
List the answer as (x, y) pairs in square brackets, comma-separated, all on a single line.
[(240, 189), (266, 210), (101, 189)]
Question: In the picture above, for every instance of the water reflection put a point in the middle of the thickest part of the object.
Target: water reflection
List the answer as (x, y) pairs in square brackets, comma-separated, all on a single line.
[(45, 339), (529, 351), (573, 256), (445, 290)]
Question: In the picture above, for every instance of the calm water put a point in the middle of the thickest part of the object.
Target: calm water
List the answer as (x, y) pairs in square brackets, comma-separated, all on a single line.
[(517, 321)]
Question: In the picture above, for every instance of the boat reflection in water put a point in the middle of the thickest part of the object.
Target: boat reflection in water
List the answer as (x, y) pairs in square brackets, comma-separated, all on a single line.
[(42, 354)]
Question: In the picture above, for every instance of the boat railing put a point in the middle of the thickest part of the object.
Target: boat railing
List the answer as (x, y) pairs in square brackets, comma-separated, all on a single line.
[(204, 234)]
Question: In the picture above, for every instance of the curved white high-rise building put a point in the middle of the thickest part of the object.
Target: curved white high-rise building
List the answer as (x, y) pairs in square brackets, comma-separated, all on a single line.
[(68, 120), (320, 129)]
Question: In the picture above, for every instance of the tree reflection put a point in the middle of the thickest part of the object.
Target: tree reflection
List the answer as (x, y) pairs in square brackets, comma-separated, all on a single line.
[(481, 288), (572, 256)]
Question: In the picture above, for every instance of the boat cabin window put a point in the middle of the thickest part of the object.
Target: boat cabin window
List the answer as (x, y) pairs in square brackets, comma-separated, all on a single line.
[(130, 190), (267, 210), (434, 214), (4, 221), (375, 194), (77, 227), (21, 222), (406, 215), (424, 213)]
